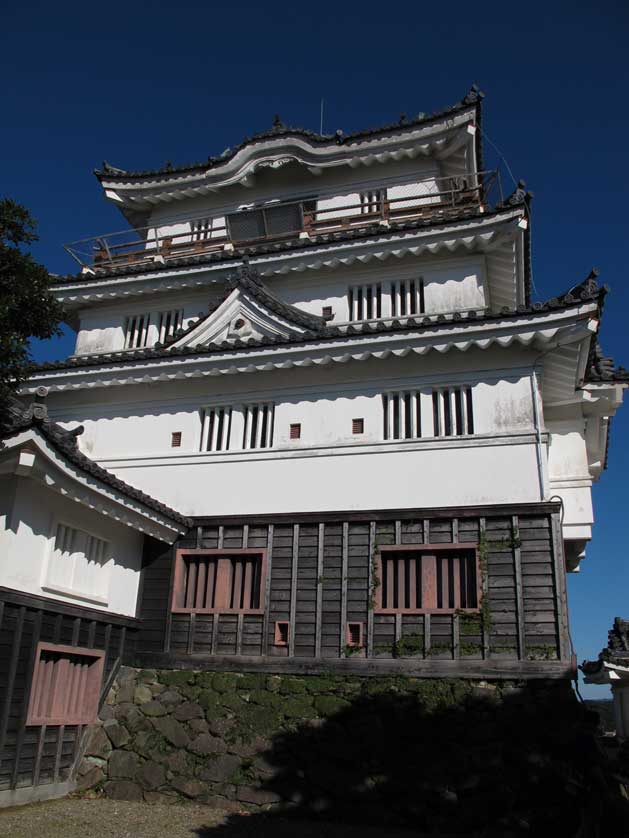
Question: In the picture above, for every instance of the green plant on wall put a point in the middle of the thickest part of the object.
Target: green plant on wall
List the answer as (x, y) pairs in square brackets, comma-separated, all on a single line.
[(410, 645), (375, 581)]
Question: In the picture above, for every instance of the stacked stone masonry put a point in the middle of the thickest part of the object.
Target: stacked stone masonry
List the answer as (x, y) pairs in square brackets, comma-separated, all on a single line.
[(432, 752)]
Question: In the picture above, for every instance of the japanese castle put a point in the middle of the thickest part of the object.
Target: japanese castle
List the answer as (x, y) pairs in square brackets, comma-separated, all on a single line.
[(314, 421)]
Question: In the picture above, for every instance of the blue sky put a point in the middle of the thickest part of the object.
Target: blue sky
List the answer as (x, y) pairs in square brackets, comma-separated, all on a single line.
[(141, 83)]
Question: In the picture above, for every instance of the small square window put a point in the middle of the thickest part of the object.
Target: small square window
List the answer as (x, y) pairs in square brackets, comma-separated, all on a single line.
[(282, 633), (175, 439), (354, 636), (358, 426), (327, 313), (295, 431), (66, 684)]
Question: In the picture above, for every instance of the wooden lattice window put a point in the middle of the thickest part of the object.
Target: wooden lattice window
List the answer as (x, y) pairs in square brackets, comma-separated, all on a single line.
[(219, 581), (175, 439), (428, 579), (66, 684), (358, 426), (294, 432)]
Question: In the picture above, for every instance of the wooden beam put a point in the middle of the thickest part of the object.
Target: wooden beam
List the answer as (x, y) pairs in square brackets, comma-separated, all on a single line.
[(371, 587), (267, 590), (293, 592), (519, 595), (484, 571), (344, 571), (28, 683), (319, 604), (415, 667), (15, 641), (561, 594)]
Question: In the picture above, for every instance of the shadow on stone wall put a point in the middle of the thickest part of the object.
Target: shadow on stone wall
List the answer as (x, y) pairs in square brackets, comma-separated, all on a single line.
[(439, 757), (517, 765)]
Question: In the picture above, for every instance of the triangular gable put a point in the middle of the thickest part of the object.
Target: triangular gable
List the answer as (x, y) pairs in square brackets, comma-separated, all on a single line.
[(249, 311)]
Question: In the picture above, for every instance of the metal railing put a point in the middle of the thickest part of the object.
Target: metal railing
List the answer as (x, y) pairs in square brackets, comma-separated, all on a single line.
[(282, 220)]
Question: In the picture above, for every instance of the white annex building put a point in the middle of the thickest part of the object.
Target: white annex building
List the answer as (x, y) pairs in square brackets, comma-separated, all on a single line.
[(311, 329)]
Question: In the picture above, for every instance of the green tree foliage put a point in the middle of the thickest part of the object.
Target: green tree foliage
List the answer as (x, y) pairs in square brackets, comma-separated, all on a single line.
[(27, 307)]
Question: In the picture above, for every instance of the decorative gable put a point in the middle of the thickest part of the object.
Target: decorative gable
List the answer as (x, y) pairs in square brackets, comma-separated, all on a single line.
[(249, 311)]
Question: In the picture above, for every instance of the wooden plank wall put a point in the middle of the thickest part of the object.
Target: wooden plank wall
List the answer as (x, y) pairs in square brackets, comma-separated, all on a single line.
[(319, 580), (37, 755)]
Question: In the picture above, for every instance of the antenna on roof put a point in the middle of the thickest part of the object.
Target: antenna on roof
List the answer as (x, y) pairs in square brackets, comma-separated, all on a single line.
[(321, 120)]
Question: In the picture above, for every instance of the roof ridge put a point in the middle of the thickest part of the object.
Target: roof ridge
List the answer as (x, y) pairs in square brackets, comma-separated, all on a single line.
[(279, 129)]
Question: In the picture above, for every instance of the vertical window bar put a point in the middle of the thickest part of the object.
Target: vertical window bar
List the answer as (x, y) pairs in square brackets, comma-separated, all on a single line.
[(350, 300), (469, 411), (458, 410), (447, 414), (422, 301), (436, 413), (379, 300)]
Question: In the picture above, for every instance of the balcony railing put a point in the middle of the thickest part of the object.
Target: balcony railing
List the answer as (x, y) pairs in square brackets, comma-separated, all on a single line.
[(284, 220)]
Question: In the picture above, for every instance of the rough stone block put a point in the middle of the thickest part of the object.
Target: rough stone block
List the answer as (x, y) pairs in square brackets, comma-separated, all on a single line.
[(187, 787), (90, 778), (224, 682), (221, 769), (98, 744), (205, 744), (151, 775), (123, 765), (153, 708), (188, 710), (328, 705), (259, 797), (198, 725), (176, 677), (170, 697), (123, 790), (117, 733), (142, 694), (172, 730)]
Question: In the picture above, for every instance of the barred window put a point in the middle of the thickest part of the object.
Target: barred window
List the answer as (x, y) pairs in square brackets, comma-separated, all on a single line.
[(136, 331), (449, 411), (211, 581), (364, 301), (168, 323), (428, 579), (408, 297), (216, 429), (402, 415), (66, 685), (78, 565), (258, 431)]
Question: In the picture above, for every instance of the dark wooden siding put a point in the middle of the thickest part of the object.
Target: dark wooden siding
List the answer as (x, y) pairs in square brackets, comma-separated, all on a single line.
[(37, 755), (320, 578)]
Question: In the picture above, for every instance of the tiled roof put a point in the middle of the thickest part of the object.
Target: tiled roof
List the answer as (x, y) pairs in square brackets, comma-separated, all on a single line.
[(587, 291), (65, 442), (616, 651), (279, 129)]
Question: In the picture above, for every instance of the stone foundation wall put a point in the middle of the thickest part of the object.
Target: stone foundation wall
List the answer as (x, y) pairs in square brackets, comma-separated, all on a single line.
[(396, 749)]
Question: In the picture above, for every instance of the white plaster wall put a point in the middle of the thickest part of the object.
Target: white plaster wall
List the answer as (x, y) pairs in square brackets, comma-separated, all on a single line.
[(244, 485), (450, 285), (26, 544), (324, 406), (567, 455), (102, 327)]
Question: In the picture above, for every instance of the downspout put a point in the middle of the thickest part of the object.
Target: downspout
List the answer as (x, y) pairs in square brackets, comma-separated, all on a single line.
[(538, 426)]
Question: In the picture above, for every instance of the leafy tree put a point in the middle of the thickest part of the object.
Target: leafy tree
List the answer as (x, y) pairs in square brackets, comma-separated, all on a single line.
[(27, 307)]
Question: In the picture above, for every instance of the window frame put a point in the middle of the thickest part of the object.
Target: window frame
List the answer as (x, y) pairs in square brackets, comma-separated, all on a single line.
[(431, 550), (179, 579), (50, 586), (89, 713)]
